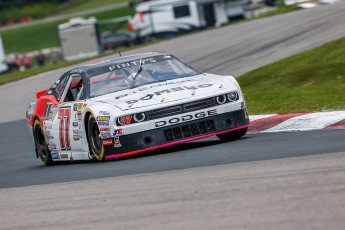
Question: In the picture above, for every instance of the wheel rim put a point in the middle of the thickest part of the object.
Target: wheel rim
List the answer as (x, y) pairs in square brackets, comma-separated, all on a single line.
[(40, 141), (95, 140)]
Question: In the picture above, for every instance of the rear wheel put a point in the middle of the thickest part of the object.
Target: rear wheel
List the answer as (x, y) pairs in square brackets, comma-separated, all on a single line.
[(234, 135), (41, 144), (95, 143)]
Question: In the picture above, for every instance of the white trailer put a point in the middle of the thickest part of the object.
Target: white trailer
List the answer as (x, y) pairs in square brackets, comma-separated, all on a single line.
[(164, 18), (79, 38), (3, 65)]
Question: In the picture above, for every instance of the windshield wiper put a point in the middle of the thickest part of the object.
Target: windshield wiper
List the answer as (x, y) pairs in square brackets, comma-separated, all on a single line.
[(139, 70)]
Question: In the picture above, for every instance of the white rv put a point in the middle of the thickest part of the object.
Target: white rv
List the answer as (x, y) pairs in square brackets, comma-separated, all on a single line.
[(164, 18), (3, 65)]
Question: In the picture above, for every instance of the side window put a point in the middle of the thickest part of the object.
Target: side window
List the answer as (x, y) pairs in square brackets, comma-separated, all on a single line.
[(74, 88), (58, 88), (77, 86), (181, 11)]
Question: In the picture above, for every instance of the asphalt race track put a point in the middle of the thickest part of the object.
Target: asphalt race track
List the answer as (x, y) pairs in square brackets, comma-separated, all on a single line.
[(21, 168), (291, 180)]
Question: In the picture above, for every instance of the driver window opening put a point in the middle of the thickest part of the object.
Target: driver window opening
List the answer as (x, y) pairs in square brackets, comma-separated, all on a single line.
[(75, 89)]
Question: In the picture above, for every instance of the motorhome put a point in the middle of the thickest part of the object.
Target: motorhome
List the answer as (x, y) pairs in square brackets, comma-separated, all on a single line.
[(3, 65), (165, 18)]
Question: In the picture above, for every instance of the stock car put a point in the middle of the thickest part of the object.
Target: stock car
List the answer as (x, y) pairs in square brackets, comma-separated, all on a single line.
[(133, 104)]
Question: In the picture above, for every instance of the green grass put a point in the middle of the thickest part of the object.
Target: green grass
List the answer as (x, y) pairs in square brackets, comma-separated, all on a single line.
[(310, 81), (280, 10), (89, 4), (42, 36)]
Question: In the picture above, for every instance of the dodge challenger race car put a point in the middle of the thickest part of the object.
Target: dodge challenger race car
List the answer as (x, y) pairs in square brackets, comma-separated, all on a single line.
[(130, 105)]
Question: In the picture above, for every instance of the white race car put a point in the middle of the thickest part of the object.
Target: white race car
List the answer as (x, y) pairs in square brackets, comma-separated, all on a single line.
[(133, 104)]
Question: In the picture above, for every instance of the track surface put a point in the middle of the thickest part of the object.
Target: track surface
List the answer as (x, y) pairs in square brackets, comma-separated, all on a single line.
[(20, 167), (302, 189)]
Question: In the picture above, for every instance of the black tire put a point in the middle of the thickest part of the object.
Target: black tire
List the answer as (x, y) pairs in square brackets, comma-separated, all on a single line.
[(234, 135), (95, 143), (41, 144)]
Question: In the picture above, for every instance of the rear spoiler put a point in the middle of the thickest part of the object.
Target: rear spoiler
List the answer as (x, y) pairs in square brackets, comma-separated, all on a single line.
[(39, 94)]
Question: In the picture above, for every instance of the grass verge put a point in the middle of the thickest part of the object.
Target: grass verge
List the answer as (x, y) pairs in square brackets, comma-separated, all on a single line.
[(87, 5), (307, 82), (42, 36), (280, 10)]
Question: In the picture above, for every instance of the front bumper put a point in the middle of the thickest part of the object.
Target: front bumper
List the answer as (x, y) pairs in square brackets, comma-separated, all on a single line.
[(176, 134)]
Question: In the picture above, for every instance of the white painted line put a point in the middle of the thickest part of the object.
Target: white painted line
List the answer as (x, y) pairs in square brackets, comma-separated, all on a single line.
[(306, 122)]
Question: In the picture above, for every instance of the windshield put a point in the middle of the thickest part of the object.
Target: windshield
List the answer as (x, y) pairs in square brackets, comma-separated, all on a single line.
[(125, 75)]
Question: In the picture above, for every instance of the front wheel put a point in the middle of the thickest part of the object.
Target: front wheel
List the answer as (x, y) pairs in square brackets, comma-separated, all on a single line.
[(41, 144), (95, 143), (234, 135)]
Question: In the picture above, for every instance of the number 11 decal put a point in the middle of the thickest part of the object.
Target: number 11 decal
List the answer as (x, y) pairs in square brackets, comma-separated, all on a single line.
[(64, 116)]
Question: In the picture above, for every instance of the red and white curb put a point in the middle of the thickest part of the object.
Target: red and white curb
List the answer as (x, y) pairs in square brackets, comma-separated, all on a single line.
[(297, 122)]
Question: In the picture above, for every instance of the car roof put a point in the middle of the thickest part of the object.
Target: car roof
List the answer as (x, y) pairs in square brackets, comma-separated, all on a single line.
[(114, 61)]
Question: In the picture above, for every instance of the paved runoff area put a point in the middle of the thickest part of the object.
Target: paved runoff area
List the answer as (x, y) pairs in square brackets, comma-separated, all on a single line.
[(297, 122), (291, 193)]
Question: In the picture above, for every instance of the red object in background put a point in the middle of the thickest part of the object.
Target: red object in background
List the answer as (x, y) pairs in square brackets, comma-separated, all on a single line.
[(10, 23), (25, 19), (26, 61)]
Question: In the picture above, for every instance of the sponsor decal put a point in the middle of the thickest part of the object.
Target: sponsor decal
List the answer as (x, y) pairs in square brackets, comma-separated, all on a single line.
[(77, 71), (103, 118), (75, 131), (48, 135), (84, 105), (104, 135), (76, 137), (52, 146), (125, 120), (104, 113), (64, 156), (167, 91), (75, 124), (117, 132), (107, 142), (80, 134), (47, 125), (79, 115), (55, 155), (174, 83), (80, 106), (132, 63), (117, 143), (104, 129), (184, 118), (103, 123), (75, 107)]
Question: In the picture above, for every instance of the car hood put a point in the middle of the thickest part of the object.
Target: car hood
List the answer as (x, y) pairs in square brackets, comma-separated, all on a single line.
[(165, 92)]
